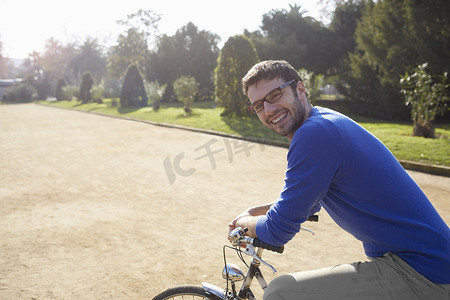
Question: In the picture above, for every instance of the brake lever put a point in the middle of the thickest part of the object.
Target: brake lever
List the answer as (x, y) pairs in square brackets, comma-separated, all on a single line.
[(309, 230), (250, 250)]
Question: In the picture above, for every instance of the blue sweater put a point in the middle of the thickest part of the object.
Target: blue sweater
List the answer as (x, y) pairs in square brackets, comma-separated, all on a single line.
[(336, 164)]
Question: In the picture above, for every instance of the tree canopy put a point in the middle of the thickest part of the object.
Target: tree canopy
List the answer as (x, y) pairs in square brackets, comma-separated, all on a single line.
[(237, 56), (132, 45), (89, 58), (186, 88), (4, 63), (291, 36), (189, 52), (392, 37)]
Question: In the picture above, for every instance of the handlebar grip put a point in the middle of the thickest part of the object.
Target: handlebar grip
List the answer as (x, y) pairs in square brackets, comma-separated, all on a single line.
[(313, 218), (258, 243)]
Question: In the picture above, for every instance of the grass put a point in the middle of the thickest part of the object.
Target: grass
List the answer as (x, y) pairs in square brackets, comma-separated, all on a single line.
[(399, 139), (396, 136), (205, 115)]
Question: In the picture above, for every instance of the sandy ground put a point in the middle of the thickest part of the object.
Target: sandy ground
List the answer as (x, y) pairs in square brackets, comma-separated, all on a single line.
[(95, 207)]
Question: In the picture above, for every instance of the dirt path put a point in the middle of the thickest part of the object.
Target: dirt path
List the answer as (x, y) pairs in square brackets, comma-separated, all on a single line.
[(93, 207)]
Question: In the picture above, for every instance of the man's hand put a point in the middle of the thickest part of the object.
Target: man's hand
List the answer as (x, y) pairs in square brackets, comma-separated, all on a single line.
[(232, 224), (248, 219)]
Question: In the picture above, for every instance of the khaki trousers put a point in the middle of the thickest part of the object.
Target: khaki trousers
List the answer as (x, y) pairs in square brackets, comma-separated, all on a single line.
[(385, 278)]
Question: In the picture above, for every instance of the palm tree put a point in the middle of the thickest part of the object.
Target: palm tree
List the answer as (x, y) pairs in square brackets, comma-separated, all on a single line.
[(89, 59)]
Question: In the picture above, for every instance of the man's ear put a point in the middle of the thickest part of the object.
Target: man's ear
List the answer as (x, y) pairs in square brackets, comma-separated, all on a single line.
[(300, 88)]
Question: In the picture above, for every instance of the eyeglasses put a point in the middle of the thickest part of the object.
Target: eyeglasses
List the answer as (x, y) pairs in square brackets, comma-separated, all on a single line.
[(271, 97)]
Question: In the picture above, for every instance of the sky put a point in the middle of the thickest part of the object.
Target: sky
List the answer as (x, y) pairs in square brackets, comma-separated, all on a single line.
[(26, 25)]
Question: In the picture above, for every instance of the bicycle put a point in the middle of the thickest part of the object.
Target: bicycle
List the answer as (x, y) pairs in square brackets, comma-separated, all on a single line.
[(232, 273)]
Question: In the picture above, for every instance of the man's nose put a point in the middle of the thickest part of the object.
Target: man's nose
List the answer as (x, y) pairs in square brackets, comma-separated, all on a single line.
[(269, 107)]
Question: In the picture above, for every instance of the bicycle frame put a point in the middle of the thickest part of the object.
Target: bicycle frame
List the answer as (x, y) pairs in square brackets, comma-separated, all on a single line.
[(233, 273), (253, 272), (230, 272)]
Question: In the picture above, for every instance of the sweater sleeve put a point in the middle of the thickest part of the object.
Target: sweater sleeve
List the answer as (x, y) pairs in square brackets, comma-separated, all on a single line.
[(313, 161)]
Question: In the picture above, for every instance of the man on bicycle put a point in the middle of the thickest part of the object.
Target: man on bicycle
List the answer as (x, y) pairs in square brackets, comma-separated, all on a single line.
[(336, 164)]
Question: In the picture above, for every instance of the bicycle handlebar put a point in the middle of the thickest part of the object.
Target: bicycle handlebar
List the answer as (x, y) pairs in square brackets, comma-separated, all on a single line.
[(258, 243), (236, 236), (313, 218)]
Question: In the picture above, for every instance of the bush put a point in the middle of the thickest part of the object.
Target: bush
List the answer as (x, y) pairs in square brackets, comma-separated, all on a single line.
[(186, 88), (97, 93), (22, 92), (43, 88), (70, 92), (59, 89), (312, 83), (85, 88), (155, 92), (133, 91), (111, 88), (427, 96)]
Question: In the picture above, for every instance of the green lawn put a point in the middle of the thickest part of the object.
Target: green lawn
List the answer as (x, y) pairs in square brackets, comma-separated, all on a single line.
[(396, 136)]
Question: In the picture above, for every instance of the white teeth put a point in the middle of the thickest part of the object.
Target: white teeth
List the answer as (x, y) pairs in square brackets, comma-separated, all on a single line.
[(279, 118)]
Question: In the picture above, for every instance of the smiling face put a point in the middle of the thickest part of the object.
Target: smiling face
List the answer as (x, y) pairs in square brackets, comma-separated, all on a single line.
[(288, 113)]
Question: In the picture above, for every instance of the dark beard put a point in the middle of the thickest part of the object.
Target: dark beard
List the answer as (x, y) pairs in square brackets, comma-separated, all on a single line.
[(298, 117)]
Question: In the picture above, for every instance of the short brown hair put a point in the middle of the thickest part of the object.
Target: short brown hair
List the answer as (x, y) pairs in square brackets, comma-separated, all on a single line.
[(269, 69)]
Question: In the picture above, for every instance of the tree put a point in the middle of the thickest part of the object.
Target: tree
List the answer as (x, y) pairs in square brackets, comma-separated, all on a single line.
[(85, 88), (189, 52), (4, 64), (427, 96), (89, 59), (131, 49), (55, 61), (237, 56), (35, 75), (143, 21), (59, 89), (186, 88), (133, 91), (132, 45), (291, 36), (343, 25), (392, 37), (359, 83), (43, 70), (33, 66)]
